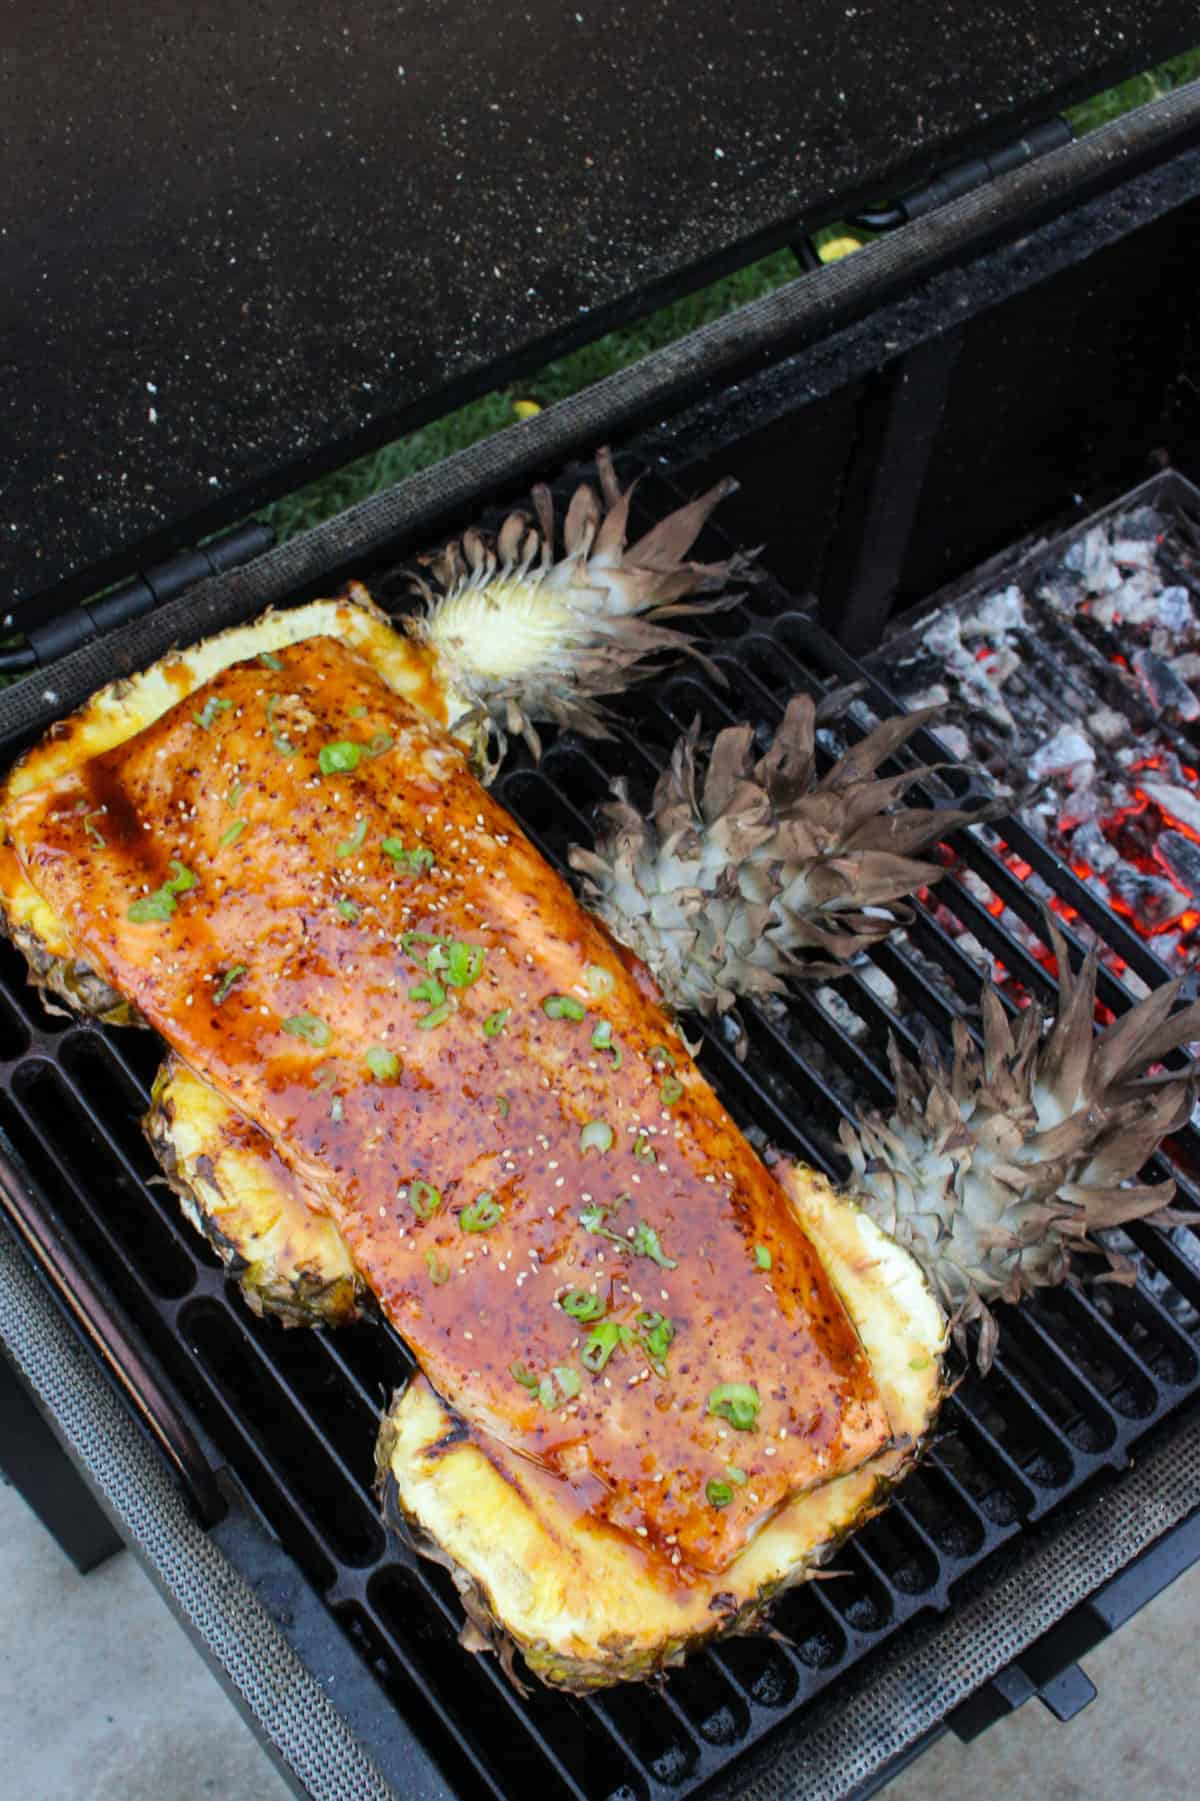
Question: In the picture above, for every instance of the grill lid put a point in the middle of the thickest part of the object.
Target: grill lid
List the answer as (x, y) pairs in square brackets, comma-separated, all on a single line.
[(237, 250)]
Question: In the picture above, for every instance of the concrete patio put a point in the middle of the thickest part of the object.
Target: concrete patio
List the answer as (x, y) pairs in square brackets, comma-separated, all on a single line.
[(102, 1698)]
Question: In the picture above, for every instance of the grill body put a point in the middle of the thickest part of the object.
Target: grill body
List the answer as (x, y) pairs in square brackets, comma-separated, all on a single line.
[(1027, 1499)]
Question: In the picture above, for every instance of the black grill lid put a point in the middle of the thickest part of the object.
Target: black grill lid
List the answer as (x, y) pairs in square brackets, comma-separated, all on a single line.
[(239, 242)]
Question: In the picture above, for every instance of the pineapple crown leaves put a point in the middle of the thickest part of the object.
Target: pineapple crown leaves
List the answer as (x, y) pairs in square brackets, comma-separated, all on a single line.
[(750, 872), (521, 638), (995, 1170)]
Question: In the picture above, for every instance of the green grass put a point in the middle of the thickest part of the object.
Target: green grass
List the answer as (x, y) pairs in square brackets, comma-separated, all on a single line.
[(571, 374)]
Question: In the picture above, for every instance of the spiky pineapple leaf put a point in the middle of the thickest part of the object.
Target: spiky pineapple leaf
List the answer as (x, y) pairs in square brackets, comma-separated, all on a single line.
[(752, 871), (997, 1170)]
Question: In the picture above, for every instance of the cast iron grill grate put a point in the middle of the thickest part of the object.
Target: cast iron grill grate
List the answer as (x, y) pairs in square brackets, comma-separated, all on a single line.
[(1080, 1379)]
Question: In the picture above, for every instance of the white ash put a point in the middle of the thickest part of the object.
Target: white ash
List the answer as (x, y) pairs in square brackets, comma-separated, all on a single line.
[(1187, 666), (1090, 846), (1062, 754), (841, 1012), (880, 984), (1003, 611), (1176, 613), (1109, 726), (955, 740)]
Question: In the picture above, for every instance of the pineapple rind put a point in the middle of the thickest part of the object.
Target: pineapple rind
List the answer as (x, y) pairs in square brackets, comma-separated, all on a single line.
[(581, 1603), (289, 1261)]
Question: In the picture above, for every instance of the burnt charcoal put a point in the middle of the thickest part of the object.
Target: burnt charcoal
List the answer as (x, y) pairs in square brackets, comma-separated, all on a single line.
[(1090, 846), (1163, 686), (1176, 804), (1180, 857), (1151, 900)]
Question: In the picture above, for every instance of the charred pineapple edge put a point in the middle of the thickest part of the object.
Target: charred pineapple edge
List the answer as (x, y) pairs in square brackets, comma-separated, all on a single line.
[(127, 706), (574, 1597), (289, 1260)]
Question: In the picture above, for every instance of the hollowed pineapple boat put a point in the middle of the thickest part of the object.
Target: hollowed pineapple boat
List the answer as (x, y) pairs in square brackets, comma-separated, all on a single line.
[(409, 1075)]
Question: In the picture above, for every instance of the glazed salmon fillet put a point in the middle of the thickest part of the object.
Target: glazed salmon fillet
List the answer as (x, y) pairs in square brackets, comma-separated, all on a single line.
[(299, 883)]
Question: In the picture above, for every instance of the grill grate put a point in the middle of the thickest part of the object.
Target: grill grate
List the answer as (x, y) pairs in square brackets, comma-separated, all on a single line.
[(1079, 1380)]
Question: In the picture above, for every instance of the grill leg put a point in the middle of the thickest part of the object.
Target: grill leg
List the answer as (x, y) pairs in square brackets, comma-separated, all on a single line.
[(39, 1469)]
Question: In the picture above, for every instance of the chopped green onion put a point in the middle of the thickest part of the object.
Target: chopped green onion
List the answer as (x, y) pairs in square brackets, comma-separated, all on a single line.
[(159, 905), (413, 860), (602, 1040), (918, 1363), (736, 1475), (269, 660), (354, 842), (599, 981), (670, 1091), (235, 794), (94, 833), (423, 1198), (594, 1218), (657, 1333), (643, 1148), (349, 910), (337, 1111), (719, 1494), (358, 712), (340, 758), (582, 1304), (227, 980), (233, 833), (438, 1272), (736, 1402), (211, 708), (484, 1212), (646, 1244), (597, 1135), (525, 1377), (436, 959), (383, 1064), (437, 1016), (561, 1385), (380, 742), (464, 964), (660, 1057), (308, 1027), (495, 1023), (279, 739), (568, 1380), (326, 1077), (563, 1006), (600, 1344), (430, 990), (762, 1256), (408, 939), (502, 1106)]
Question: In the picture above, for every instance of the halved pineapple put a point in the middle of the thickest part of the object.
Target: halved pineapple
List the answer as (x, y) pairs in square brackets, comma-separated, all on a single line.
[(585, 1605), (289, 1259)]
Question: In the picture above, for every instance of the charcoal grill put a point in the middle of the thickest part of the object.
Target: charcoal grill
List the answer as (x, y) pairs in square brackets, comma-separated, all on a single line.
[(236, 1457)]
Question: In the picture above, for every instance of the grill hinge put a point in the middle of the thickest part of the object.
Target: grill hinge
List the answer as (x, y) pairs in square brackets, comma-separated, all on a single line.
[(974, 172), (161, 582)]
